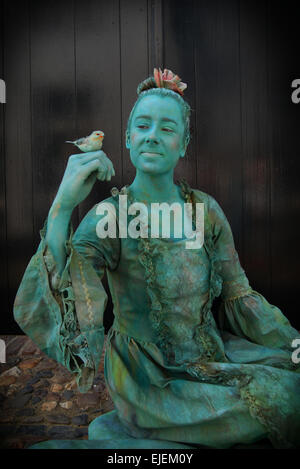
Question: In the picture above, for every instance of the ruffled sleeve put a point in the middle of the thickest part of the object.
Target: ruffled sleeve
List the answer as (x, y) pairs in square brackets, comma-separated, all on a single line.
[(63, 314), (243, 311)]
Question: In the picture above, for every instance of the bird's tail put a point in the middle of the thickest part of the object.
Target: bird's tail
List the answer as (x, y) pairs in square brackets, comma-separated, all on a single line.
[(68, 141)]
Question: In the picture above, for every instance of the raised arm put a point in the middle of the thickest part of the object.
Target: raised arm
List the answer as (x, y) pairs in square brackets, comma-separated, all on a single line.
[(81, 173), (61, 300)]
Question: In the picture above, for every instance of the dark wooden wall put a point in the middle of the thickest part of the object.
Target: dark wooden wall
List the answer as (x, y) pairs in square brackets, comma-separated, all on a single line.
[(71, 67)]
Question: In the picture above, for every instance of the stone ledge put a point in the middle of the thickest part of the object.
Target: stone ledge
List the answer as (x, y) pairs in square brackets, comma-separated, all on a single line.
[(39, 399)]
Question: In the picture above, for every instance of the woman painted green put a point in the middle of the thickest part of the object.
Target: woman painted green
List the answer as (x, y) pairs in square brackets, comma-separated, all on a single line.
[(175, 377)]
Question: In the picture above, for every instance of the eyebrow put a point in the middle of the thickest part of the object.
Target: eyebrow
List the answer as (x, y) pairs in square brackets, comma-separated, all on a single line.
[(164, 119)]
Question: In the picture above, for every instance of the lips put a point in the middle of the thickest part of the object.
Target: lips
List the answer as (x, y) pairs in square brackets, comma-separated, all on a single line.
[(151, 153)]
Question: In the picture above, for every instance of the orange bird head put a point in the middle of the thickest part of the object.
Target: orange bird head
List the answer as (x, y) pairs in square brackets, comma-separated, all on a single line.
[(97, 135)]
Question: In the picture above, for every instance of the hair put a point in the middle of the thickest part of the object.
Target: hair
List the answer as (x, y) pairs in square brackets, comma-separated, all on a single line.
[(148, 87)]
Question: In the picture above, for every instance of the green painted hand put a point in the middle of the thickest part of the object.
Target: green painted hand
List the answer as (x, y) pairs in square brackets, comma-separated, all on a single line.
[(80, 176)]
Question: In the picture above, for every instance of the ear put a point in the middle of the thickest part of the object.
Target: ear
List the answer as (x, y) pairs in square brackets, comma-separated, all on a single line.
[(127, 139), (184, 147)]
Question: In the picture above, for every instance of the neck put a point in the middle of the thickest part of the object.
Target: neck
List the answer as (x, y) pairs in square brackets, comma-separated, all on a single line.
[(154, 187)]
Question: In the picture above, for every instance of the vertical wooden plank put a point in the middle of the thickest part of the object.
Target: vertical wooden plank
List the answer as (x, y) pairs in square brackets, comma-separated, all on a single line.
[(283, 68), (217, 79), (97, 47), (17, 147), (53, 91), (134, 65), (98, 86), (155, 34), (3, 237), (179, 38), (256, 151)]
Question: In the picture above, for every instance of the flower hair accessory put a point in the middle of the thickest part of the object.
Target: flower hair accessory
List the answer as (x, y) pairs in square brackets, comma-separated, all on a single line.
[(168, 79)]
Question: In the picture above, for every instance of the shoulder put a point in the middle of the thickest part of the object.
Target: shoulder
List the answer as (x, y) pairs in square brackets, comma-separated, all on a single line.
[(216, 221), (212, 207), (101, 212), (106, 207)]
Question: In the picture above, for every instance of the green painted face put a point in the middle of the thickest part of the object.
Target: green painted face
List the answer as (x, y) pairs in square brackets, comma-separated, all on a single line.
[(156, 135)]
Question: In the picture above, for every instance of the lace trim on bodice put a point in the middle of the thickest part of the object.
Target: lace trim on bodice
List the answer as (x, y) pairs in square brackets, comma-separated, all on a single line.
[(148, 249)]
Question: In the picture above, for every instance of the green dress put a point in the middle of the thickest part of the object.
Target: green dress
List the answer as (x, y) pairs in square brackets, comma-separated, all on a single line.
[(178, 377)]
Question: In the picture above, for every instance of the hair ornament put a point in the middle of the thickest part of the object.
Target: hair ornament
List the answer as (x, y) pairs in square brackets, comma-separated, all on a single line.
[(167, 79)]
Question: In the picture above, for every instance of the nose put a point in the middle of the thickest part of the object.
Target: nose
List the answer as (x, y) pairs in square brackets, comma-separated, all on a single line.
[(152, 137)]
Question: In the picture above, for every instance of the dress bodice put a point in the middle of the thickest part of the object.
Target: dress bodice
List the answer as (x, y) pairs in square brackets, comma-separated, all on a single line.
[(161, 294)]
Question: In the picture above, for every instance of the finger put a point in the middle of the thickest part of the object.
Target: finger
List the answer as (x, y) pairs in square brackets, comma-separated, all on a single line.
[(101, 174), (111, 173), (88, 168), (111, 167)]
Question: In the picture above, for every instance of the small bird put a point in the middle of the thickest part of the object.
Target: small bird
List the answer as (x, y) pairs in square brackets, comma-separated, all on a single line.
[(92, 142)]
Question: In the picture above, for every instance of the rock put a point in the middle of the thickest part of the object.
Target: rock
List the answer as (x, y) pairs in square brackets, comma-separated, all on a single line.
[(34, 419), (47, 364), (27, 412), (43, 385), (12, 389), (3, 390), (62, 432), (44, 374), (40, 392), (6, 380), (11, 372), (56, 387), (99, 388), (15, 345), (67, 395), (26, 390), (80, 419), (62, 378), (29, 348), (36, 400), (107, 406), (87, 401), (48, 406), (19, 401), (52, 396), (10, 362), (34, 380), (28, 364), (99, 379), (80, 432), (39, 430), (66, 405), (58, 418), (24, 378), (71, 385), (8, 417)]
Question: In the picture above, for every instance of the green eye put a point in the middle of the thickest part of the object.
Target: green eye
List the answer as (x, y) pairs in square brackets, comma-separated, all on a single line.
[(142, 126)]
